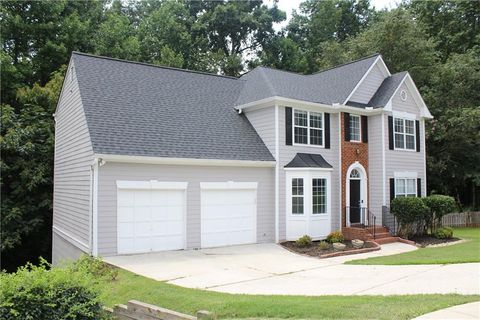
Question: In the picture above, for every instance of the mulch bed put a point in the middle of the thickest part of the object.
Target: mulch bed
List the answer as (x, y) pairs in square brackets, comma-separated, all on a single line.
[(427, 240), (314, 250)]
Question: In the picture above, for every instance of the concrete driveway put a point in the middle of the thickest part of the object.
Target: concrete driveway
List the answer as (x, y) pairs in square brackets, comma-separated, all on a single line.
[(271, 269)]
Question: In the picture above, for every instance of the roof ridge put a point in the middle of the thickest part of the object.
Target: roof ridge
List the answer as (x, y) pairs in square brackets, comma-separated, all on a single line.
[(153, 65), (346, 63)]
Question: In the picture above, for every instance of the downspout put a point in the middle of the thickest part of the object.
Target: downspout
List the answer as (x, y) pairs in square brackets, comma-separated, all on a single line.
[(277, 175)]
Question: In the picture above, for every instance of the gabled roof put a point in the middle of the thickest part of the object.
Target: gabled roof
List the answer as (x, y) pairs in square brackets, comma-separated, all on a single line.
[(384, 92), (330, 86), (145, 110), (307, 160)]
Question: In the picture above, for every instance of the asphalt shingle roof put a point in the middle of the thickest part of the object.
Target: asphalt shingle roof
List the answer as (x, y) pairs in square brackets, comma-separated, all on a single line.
[(145, 110), (307, 160), (330, 86)]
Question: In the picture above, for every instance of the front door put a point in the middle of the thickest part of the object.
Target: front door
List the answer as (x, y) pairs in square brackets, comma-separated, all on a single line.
[(355, 201)]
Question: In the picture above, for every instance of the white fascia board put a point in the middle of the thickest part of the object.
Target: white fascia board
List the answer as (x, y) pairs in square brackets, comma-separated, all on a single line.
[(229, 185), (152, 184), (384, 68), (306, 105), (184, 161)]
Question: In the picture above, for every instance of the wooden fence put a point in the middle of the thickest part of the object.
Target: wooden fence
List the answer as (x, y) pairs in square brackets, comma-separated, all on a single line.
[(462, 219), (136, 310)]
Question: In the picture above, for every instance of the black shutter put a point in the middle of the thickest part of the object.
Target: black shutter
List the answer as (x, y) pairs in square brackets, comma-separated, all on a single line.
[(390, 132), (327, 130), (392, 189), (417, 129), (288, 126), (346, 126), (364, 129), (419, 187)]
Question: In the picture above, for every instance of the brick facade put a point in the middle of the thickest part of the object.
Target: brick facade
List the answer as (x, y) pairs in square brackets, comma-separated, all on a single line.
[(351, 152)]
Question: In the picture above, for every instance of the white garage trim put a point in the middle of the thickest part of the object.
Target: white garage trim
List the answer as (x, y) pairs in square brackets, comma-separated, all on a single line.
[(152, 184), (228, 185)]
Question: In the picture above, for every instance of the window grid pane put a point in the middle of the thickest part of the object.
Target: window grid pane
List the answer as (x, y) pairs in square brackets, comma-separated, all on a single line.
[(308, 128), (316, 120), (410, 142), (301, 118), (301, 135), (354, 128), (297, 196), (319, 196), (316, 137), (399, 141)]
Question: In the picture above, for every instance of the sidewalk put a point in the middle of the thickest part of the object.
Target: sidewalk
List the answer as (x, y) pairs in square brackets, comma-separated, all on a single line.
[(463, 311)]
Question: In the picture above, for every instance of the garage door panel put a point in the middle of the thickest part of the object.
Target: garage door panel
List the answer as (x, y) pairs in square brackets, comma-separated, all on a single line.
[(150, 220), (228, 217)]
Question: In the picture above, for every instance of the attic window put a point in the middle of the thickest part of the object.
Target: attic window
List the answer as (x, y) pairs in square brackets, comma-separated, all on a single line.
[(403, 95)]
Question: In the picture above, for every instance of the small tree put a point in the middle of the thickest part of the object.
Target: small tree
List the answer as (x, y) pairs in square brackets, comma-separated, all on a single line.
[(409, 211), (438, 206)]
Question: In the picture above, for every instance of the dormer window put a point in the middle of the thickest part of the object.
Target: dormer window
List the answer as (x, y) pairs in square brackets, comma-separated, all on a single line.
[(308, 127)]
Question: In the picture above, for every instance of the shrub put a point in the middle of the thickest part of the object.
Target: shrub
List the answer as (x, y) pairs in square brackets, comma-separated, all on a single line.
[(409, 211), (443, 233), (304, 241), (335, 236), (42, 292), (323, 245), (438, 206)]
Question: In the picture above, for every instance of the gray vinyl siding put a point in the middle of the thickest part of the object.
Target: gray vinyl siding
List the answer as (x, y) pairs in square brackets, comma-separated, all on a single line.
[(401, 160), (375, 169), (111, 172), (263, 120), (369, 86), (331, 156), (63, 250), (73, 157)]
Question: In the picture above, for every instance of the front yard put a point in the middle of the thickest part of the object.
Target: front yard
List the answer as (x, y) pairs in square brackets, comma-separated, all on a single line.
[(468, 251), (129, 286)]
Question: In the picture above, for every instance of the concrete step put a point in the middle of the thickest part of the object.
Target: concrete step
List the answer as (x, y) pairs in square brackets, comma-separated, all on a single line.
[(380, 235)]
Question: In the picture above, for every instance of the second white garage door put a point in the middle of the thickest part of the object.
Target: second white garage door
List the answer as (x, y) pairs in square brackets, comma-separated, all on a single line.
[(228, 214)]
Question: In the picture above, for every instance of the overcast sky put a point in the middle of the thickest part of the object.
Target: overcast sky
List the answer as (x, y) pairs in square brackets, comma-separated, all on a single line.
[(289, 5)]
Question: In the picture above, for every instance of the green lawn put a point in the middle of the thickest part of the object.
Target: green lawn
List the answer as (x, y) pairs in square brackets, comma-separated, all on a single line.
[(458, 253), (130, 286)]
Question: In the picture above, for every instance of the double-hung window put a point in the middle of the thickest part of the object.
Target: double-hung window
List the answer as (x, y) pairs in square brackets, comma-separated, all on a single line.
[(404, 131), (354, 128), (319, 196), (405, 187), (308, 127), (297, 196)]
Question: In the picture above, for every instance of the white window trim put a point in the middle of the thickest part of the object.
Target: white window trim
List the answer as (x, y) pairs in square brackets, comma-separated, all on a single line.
[(359, 128), (327, 201), (405, 179), (303, 195), (405, 134), (308, 129)]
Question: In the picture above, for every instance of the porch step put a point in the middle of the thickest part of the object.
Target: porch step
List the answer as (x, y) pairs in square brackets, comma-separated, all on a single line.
[(387, 240), (381, 235)]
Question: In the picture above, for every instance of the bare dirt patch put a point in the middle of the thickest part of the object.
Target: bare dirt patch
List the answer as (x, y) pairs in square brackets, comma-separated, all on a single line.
[(427, 240)]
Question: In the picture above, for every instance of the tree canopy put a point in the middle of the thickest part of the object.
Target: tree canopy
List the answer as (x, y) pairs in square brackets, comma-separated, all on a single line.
[(438, 42)]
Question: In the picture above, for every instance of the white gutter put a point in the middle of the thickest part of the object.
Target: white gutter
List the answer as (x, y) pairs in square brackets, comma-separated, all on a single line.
[(184, 161)]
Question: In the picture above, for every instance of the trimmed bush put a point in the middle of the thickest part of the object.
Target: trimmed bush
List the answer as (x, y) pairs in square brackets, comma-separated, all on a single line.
[(323, 245), (304, 241), (409, 211), (443, 233), (335, 236), (438, 205), (42, 292)]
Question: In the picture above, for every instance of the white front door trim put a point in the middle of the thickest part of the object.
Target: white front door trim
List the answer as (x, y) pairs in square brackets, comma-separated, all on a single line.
[(363, 189)]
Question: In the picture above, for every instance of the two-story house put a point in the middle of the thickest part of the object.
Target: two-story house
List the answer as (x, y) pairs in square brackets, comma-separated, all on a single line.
[(150, 158)]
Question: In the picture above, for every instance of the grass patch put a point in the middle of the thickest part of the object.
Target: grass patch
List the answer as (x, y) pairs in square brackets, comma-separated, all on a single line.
[(458, 253), (130, 286)]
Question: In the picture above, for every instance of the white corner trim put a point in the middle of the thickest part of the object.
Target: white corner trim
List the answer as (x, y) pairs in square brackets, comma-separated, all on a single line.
[(229, 185), (152, 184), (72, 239), (277, 174), (405, 174), (95, 168), (384, 174), (184, 161)]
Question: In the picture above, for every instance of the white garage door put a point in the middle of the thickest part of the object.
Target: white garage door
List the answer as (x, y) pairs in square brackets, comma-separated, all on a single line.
[(228, 215), (150, 216)]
